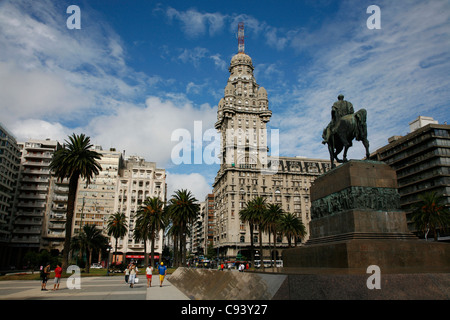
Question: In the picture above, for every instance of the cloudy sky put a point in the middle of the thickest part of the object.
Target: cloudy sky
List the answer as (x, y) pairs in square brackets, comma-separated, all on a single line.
[(136, 71)]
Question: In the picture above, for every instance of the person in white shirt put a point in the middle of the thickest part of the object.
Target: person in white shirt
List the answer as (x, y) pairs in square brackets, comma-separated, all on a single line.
[(149, 273), (133, 271)]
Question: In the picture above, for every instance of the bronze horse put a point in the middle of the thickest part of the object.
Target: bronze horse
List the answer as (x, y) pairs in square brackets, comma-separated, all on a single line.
[(343, 131)]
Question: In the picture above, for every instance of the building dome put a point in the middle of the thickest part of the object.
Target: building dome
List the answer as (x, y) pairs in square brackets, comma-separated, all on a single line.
[(229, 89), (241, 59), (262, 93)]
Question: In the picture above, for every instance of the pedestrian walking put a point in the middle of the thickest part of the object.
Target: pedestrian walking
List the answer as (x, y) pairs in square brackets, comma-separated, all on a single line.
[(45, 272), (127, 274), (162, 273), (57, 281), (133, 272), (149, 273)]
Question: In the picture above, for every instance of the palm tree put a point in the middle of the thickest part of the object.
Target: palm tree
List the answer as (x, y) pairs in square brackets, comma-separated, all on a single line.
[(183, 209), (74, 160), (89, 240), (117, 227), (259, 208), (149, 221), (253, 214), (272, 219), (430, 214), (292, 226)]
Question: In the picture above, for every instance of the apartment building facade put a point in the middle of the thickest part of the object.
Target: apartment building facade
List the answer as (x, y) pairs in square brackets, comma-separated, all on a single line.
[(421, 160), (138, 180), (9, 173), (34, 201)]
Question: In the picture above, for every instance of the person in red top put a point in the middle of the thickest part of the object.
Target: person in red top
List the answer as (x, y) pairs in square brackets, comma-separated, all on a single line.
[(58, 272)]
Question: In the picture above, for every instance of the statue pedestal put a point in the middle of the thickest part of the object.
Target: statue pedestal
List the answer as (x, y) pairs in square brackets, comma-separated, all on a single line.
[(355, 223)]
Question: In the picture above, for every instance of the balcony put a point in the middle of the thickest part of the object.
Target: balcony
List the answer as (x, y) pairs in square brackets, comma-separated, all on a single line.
[(33, 170), (59, 207), (44, 155), (57, 226), (59, 199), (31, 204), (34, 188), (36, 163), (57, 216), (53, 234), (33, 196)]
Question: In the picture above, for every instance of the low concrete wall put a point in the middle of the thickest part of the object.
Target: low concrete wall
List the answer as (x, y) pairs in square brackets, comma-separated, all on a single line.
[(204, 284), (207, 284)]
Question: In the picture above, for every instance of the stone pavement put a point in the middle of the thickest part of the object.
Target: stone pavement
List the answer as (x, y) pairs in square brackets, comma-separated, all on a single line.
[(92, 288)]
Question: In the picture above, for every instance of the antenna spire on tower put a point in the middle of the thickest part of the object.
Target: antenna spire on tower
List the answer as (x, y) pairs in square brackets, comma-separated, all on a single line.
[(241, 44)]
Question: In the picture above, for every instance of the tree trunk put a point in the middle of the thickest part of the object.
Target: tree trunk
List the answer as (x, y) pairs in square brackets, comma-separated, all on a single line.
[(89, 258), (115, 255), (252, 249), (152, 249), (73, 185), (175, 250), (182, 249), (145, 253), (261, 257)]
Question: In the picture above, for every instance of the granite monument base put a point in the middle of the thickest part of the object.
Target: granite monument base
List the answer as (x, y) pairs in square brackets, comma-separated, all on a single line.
[(356, 222)]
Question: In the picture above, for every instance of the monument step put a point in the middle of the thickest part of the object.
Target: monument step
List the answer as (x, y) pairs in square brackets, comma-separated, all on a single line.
[(362, 236)]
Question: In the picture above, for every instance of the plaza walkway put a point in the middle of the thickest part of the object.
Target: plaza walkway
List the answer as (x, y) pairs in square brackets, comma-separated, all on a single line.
[(92, 288)]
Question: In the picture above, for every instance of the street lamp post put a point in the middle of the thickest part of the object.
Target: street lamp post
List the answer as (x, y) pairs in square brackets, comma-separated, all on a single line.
[(108, 249)]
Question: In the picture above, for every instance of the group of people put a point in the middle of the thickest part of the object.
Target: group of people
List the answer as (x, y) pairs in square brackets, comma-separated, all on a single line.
[(131, 272), (130, 275), (241, 267), (45, 273)]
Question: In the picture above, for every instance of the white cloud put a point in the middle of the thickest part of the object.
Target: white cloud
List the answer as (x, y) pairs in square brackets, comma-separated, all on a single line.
[(194, 182), (39, 129), (146, 131), (391, 72), (219, 62), (193, 56), (198, 54), (48, 72), (195, 23)]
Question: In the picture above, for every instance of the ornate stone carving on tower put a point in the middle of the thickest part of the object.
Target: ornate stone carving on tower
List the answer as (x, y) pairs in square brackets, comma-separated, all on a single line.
[(242, 116), (247, 169)]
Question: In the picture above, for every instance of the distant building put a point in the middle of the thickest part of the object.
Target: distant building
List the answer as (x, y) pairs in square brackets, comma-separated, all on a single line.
[(137, 181), (35, 205), (204, 226), (9, 172), (421, 160), (96, 201)]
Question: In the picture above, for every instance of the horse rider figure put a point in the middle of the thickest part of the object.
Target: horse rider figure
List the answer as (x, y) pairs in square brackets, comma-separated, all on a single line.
[(339, 109)]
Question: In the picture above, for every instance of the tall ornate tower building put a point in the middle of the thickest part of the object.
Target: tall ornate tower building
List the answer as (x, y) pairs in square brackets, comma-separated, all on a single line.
[(242, 116), (247, 170)]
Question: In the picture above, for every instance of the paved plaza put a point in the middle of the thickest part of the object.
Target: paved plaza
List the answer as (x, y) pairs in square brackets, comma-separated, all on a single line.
[(91, 288)]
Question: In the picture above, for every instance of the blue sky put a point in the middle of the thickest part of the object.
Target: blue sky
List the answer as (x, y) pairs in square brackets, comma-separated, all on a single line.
[(138, 70)]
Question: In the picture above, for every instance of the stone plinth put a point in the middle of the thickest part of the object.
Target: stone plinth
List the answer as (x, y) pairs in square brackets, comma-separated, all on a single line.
[(357, 200), (356, 222), (354, 173)]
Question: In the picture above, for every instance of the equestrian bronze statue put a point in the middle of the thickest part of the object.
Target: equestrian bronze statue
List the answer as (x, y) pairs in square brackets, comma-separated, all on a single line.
[(345, 126)]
